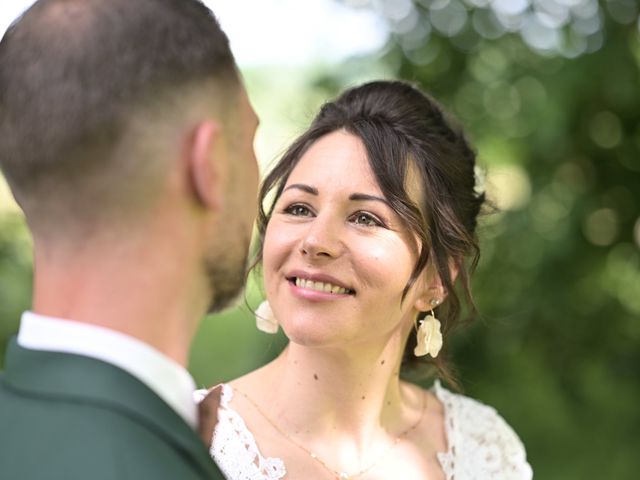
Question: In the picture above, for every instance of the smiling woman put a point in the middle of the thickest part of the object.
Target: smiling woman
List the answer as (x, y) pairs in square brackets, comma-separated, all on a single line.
[(371, 231), (338, 231)]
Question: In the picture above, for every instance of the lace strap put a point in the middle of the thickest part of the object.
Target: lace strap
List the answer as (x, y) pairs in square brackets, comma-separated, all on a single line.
[(481, 445), (234, 447)]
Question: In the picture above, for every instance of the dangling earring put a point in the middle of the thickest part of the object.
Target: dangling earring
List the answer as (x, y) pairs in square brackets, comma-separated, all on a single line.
[(265, 319), (429, 336)]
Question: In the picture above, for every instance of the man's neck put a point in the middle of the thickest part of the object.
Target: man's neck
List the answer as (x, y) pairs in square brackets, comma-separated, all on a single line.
[(141, 294)]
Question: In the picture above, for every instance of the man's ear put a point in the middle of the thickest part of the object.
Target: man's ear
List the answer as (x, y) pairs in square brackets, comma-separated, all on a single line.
[(202, 165)]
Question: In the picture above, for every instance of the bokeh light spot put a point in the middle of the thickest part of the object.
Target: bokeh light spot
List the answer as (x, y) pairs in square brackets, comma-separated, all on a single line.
[(587, 25), (595, 41), (605, 129), (622, 276), (449, 19), (396, 10), (502, 101), (585, 8), (552, 17), (405, 24), (571, 176), (510, 7), (417, 37), (573, 44), (622, 11), (487, 24), (538, 36), (424, 55), (601, 227), (508, 186), (549, 209), (477, 3)]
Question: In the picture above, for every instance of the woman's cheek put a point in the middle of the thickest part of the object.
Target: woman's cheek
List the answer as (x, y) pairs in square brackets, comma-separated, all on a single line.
[(277, 242), (388, 259), (278, 247)]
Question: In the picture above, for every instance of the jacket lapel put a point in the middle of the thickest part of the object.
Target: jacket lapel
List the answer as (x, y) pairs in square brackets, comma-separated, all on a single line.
[(84, 379)]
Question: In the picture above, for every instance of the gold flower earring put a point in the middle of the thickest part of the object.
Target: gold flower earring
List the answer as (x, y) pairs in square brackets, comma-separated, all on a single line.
[(429, 336), (265, 319)]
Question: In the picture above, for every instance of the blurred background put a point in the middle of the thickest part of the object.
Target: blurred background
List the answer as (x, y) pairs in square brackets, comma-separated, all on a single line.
[(549, 93)]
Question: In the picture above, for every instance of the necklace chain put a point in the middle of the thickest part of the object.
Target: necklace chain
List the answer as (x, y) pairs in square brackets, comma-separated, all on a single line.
[(336, 474)]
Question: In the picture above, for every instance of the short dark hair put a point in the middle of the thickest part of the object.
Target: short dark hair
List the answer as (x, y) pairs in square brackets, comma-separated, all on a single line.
[(402, 129), (74, 72)]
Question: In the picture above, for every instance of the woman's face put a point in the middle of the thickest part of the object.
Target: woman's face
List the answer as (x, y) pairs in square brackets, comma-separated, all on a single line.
[(336, 257)]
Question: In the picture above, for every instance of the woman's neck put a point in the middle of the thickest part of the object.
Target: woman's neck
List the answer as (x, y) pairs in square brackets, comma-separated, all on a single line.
[(326, 397)]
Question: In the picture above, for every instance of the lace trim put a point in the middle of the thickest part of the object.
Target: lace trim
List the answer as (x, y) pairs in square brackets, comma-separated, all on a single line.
[(234, 448), (481, 445)]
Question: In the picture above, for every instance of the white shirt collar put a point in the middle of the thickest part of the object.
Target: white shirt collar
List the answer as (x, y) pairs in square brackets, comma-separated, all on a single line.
[(168, 379)]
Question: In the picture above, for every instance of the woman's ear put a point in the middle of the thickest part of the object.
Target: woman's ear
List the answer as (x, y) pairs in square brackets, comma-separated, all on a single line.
[(431, 289), (423, 303), (203, 167), (430, 297)]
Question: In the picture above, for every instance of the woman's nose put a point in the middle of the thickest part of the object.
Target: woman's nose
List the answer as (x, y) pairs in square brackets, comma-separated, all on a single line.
[(322, 239)]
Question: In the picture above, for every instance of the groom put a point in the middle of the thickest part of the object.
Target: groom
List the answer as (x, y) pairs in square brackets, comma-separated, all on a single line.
[(126, 138)]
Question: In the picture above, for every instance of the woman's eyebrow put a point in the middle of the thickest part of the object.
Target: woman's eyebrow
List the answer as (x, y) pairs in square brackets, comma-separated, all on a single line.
[(358, 197), (303, 187), (367, 197)]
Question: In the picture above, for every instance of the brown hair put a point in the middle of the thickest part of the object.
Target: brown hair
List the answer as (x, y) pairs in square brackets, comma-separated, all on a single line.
[(402, 128), (75, 74)]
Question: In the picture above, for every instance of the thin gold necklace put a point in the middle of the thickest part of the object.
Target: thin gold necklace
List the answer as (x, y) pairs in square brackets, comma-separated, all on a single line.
[(335, 473)]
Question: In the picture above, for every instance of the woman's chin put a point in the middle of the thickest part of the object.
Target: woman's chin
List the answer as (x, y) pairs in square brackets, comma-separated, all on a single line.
[(308, 339), (311, 335)]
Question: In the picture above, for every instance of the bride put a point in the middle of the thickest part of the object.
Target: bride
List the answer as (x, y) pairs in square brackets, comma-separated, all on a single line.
[(366, 252)]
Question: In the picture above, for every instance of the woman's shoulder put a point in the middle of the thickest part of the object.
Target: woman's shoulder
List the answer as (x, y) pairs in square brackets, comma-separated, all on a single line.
[(227, 390), (481, 444), (233, 445)]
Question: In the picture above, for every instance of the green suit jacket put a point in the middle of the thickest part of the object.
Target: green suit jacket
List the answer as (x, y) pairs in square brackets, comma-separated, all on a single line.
[(70, 417)]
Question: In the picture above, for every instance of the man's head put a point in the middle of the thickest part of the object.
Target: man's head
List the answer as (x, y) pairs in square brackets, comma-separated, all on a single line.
[(104, 103)]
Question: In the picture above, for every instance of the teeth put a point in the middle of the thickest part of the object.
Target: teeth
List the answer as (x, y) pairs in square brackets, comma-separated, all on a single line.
[(320, 286)]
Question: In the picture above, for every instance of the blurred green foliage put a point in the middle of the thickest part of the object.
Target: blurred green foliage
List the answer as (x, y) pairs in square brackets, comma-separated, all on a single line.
[(549, 92), (15, 275)]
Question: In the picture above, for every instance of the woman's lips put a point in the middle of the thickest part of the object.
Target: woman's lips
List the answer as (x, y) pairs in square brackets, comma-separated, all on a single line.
[(326, 287), (319, 282), (318, 286), (316, 295)]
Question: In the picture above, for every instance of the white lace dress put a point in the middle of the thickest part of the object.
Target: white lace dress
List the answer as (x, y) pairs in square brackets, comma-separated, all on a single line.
[(481, 445)]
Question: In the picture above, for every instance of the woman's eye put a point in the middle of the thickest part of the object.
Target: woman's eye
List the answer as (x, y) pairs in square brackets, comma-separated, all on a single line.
[(298, 210), (366, 219)]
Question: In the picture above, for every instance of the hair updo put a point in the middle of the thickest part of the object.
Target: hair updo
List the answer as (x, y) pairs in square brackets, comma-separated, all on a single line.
[(401, 129)]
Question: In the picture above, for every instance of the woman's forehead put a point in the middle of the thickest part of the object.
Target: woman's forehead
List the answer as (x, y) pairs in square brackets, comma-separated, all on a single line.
[(336, 160)]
